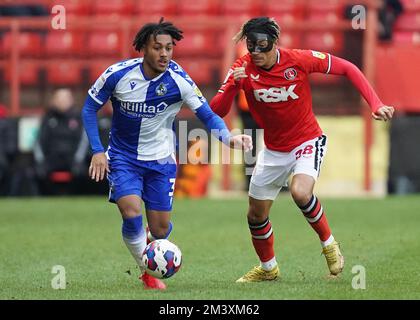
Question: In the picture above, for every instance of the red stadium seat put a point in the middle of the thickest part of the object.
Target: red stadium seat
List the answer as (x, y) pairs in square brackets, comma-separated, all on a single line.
[(30, 2), (198, 7), (406, 38), (324, 41), (112, 7), (96, 68), (408, 21), (30, 44), (286, 17), (64, 73), (104, 43), (28, 73), (74, 7), (324, 16), (291, 40), (198, 42), (161, 8), (325, 5), (411, 5), (241, 9), (326, 11), (62, 43), (202, 71), (61, 177), (275, 7)]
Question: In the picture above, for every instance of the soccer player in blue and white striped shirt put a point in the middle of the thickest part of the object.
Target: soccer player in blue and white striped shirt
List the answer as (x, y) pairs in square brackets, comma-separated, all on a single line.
[(146, 95)]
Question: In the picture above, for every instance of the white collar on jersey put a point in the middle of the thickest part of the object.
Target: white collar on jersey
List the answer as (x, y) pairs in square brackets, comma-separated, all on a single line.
[(278, 55), (144, 75)]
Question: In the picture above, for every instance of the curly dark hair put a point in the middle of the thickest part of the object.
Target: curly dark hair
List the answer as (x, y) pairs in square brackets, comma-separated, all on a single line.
[(262, 24), (154, 29)]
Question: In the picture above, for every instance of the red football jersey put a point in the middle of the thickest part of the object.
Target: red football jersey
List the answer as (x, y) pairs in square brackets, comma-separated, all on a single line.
[(280, 99)]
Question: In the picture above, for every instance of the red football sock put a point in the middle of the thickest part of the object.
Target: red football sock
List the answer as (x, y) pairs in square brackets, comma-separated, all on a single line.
[(263, 240), (314, 213)]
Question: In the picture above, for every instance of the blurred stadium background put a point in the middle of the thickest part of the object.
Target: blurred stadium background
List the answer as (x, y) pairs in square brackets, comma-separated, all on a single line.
[(365, 158)]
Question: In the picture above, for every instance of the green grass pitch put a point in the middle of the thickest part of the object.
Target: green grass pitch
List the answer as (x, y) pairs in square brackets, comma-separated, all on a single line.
[(83, 235)]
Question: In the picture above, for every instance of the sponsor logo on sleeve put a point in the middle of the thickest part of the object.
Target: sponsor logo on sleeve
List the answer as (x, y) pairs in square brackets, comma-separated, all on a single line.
[(197, 92), (318, 54), (94, 91)]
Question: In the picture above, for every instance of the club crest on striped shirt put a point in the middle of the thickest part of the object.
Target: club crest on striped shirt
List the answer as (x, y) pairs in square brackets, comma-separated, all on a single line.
[(161, 89)]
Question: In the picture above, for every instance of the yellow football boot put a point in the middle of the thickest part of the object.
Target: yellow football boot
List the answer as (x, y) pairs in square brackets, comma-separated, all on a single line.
[(335, 259), (258, 274)]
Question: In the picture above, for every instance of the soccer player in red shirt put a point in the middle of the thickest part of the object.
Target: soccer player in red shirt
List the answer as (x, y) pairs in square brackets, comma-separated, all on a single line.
[(277, 89)]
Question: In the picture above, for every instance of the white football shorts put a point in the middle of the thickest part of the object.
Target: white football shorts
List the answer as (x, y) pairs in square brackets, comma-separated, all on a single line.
[(273, 168)]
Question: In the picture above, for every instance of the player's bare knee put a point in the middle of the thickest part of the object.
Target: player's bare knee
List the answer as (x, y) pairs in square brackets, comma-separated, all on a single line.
[(257, 212), (129, 211), (300, 194)]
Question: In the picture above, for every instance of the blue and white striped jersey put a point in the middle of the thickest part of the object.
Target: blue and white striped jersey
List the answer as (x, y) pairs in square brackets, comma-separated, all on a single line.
[(144, 109)]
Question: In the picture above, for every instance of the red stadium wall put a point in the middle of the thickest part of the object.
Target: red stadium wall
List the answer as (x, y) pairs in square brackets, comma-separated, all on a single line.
[(397, 77)]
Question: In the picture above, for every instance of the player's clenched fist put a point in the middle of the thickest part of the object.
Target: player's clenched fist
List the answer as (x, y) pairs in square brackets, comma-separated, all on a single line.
[(384, 113), (98, 166), (239, 73), (241, 141)]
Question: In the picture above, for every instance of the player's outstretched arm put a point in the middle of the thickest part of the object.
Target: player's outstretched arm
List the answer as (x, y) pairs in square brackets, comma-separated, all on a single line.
[(217, 127), (380, 111), (99, 163), (222, 101)]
